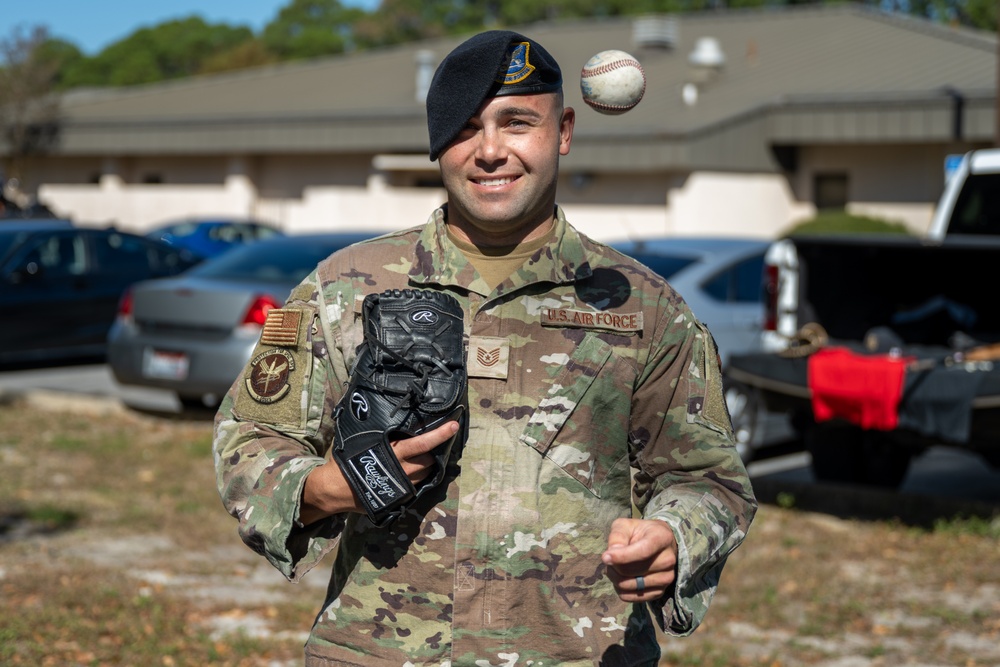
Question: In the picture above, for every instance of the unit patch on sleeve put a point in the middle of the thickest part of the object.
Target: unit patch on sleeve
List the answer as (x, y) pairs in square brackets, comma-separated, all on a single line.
[(268, 378)]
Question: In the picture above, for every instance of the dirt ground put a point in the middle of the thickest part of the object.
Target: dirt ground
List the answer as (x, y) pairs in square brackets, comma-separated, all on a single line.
[(115, 550)]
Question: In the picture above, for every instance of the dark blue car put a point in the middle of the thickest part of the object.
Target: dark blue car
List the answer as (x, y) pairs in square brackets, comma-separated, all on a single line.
[(208, 237), (60, 285)]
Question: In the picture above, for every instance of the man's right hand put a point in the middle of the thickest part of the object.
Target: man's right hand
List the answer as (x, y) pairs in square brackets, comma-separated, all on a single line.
[(327, 493)]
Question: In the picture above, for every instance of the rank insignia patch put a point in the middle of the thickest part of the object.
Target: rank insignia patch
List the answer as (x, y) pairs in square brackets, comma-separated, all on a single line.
[(488, 357), (267, 381)]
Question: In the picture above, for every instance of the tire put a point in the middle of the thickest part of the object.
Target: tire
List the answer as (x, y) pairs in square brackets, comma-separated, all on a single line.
[(992, 458), (198, 403), (744, 407), (835, 450), (844, 453)]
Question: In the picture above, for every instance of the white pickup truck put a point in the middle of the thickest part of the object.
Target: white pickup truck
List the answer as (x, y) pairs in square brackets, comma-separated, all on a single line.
[(927, 302)]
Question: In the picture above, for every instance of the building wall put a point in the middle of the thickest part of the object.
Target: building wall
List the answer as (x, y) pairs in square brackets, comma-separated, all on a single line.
[(299, 193), (715, 204), (898, 183)]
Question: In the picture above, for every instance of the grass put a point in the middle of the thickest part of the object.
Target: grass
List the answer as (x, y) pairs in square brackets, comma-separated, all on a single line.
[(841, 222), (114, 526)]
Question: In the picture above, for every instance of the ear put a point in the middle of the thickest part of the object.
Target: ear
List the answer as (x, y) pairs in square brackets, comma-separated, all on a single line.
[(566, 125)]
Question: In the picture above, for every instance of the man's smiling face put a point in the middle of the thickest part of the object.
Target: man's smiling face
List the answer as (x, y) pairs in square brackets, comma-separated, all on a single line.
[(501, 170)]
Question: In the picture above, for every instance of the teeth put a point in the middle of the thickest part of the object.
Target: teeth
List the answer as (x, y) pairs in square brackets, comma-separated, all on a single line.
[(496, 181)]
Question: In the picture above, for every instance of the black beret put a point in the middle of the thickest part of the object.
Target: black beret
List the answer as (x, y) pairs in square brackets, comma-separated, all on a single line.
[(496, 62)]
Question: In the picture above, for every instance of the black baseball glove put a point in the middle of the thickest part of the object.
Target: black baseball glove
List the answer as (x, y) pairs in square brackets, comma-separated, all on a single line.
[(409, 377)]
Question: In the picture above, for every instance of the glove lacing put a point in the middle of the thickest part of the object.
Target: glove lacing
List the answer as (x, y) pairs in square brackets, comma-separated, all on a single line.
[(416, 393)]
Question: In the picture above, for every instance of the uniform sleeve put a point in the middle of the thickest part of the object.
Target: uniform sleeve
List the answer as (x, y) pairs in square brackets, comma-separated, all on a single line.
[(275, 426), (689, 472)]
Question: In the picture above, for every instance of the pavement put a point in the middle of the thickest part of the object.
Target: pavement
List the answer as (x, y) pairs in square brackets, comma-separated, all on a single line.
[(69, 384)]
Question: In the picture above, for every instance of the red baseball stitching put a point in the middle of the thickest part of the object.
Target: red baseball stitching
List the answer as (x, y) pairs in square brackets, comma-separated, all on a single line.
[(608, 67), (611, 107)]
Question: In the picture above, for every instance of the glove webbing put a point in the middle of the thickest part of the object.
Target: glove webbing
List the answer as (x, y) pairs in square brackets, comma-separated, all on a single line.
[(417, 390)]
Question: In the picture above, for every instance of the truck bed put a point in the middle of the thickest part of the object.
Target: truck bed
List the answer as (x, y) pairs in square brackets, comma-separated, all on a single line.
[(923, 292)]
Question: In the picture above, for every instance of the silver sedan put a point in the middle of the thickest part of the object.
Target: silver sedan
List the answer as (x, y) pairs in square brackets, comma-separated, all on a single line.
[(192, 334)]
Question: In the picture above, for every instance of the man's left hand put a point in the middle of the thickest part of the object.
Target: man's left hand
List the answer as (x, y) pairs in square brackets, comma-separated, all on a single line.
[(642, 554)]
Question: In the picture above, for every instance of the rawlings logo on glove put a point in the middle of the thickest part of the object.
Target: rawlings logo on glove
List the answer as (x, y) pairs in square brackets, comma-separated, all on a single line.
[(409, 377)]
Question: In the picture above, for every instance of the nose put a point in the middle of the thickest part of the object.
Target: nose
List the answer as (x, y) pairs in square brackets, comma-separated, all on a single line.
[(491, 148)]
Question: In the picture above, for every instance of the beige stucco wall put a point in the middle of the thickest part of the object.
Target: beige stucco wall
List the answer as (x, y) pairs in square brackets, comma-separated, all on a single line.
[(714, 204), (308, 193), (898, 183)]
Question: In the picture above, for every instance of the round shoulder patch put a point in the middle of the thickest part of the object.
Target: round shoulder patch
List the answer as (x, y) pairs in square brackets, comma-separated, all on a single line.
[(267, 380)]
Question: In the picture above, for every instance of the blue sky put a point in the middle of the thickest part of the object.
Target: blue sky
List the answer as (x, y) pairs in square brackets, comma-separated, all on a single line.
[(96, 24)]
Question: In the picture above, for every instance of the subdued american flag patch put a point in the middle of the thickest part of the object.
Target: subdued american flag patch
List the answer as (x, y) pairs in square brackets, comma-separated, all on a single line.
[(281, 327)]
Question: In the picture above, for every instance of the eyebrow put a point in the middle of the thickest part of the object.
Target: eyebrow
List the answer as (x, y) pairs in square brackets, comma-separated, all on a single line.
[(508, 111)]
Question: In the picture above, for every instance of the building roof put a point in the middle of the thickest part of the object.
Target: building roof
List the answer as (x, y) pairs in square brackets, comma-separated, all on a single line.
[(843, 74)]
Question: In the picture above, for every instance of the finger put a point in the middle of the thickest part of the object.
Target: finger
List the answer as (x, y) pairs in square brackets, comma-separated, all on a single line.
[(656, 579), (417, 468), (649, 541), (621, 534), (649, 587), (425, 442)]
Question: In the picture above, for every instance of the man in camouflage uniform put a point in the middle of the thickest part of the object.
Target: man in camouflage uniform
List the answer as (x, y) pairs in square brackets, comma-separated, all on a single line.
[(591, 387)]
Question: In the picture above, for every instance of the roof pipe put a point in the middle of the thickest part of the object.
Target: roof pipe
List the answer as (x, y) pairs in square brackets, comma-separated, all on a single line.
[(957, 112)]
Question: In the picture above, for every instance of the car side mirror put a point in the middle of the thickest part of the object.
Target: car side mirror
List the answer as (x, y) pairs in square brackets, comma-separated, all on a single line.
[(29, 272)]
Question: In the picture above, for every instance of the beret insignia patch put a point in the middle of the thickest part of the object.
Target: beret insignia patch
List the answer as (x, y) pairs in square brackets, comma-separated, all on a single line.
[(519, 68), (267, 381)]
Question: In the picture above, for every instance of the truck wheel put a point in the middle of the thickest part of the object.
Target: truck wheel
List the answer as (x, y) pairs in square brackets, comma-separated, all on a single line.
[(744, 409), (835, 450), (886, 461), (848, 454), (992, 458)]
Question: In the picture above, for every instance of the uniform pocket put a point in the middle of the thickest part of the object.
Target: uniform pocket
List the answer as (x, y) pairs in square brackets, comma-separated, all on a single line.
[(581, 421)]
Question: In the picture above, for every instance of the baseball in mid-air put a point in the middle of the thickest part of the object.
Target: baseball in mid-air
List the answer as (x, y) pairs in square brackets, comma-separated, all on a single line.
[(612, 82)]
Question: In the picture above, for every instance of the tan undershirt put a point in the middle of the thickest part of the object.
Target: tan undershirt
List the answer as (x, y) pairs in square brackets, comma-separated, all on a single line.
[(496, 263)]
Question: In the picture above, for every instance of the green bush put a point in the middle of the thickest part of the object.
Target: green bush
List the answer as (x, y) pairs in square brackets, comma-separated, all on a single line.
[(841, 222)]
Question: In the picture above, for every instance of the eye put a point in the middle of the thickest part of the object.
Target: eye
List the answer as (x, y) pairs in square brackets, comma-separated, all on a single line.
[(520, 123), (467, 131)]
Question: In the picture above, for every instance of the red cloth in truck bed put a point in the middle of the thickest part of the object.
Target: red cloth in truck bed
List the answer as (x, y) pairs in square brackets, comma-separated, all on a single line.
[(862, 389)]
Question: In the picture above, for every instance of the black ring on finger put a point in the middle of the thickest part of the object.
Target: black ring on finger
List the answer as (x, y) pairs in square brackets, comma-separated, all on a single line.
[(640, 584)]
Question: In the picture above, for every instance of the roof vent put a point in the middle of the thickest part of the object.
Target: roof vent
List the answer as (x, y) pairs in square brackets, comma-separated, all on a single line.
[(425, 73), (707, 53), (657, 32)]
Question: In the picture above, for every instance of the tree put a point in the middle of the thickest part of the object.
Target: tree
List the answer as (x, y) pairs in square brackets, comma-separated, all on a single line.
[(28, 112), (316, 28), (251, 53), (311, 28), (170, 50)]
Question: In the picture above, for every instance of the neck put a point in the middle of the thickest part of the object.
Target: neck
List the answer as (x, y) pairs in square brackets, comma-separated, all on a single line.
[(493, 238)]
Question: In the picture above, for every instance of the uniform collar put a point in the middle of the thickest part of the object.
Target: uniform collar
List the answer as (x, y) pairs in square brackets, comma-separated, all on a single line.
[(439, 261)]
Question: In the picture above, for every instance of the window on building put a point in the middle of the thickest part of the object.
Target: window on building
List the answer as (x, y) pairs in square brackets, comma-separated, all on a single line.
[(152, 179), (830, 191)]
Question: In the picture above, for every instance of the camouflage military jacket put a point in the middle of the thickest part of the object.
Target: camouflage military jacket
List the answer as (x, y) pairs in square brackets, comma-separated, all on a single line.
[(592, 388)]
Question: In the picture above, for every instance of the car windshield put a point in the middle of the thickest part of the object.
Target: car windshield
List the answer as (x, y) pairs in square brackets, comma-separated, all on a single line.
[(268, 262), (664, 265), (977, 210), (8, 240)]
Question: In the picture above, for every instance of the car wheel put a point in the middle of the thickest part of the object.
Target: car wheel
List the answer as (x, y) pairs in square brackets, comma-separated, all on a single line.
[(744, 409), (199, 403), (992, 457)]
